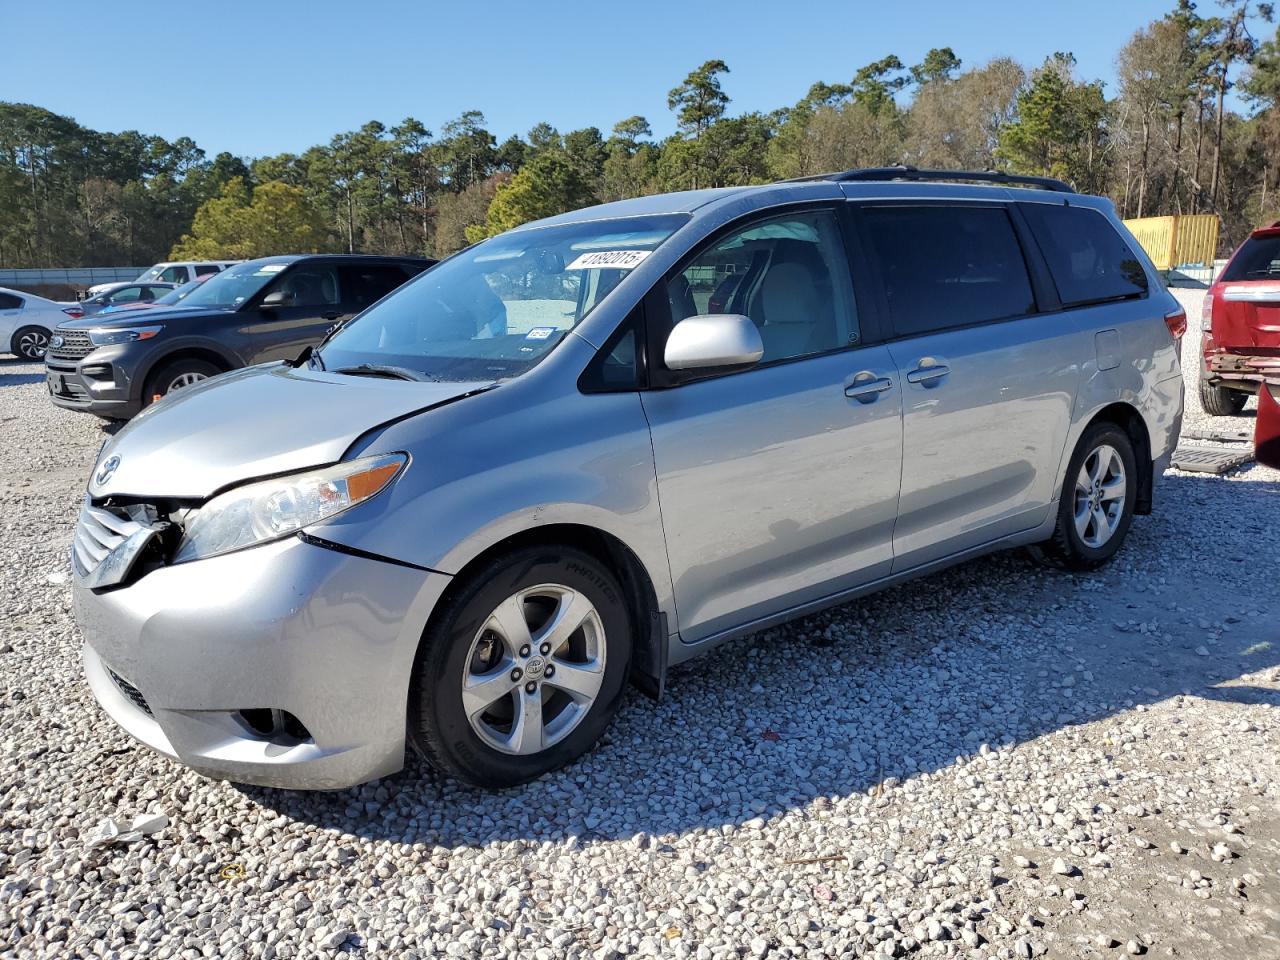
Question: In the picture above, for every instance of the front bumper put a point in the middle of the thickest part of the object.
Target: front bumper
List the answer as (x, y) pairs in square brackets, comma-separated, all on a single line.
[(175, 658), (98, 383)]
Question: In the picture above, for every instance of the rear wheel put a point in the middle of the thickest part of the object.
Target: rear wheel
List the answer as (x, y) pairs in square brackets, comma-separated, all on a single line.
[(175, 375), (29, 343), (1096, 507), (1219, 401), (522, 669)]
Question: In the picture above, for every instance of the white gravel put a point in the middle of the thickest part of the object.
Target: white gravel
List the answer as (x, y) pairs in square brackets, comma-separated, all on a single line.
[(995, 762)]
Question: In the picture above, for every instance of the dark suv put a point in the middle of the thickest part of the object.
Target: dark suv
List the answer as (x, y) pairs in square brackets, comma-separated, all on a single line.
[(253, 312)]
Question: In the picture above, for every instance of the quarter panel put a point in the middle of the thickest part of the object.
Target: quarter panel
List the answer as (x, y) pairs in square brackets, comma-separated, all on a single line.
[(1148, 376)]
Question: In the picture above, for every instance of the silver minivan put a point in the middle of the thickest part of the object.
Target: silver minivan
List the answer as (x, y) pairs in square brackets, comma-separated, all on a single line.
[(603, 443)]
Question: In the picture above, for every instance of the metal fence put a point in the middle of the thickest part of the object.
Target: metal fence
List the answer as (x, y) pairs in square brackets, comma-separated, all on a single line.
[(1179, 240), (69, 276)]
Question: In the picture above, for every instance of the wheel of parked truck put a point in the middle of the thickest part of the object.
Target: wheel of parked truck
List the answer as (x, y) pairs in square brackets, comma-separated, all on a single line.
[(1096, 507), (29, 343), (174, 376), (522, 668), (1219, 401)]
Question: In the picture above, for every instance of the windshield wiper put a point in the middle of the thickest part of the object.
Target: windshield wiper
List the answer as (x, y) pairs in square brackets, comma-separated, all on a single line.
[(381, 370)]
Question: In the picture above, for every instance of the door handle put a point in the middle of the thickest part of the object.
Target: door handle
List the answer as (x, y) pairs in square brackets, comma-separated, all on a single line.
[(868, 387), (331, 315), (928, 373)]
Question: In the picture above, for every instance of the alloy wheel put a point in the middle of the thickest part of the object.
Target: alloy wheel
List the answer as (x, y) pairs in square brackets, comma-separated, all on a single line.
[(534, 669), (185, 380), (1099, 496), (32, 344)]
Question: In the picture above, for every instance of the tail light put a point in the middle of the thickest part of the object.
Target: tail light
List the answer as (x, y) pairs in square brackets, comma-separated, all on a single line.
[(1176, 321), (1206, 313), (75, 313)]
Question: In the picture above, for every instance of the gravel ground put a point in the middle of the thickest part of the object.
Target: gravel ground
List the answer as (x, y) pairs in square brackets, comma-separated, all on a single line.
[(998, 761)]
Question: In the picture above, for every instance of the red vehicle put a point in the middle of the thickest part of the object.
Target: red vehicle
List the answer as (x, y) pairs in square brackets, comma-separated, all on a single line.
[(1241, 322)]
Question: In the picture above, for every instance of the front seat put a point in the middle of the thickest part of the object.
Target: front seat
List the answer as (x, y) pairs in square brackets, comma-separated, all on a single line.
[(794, 315)]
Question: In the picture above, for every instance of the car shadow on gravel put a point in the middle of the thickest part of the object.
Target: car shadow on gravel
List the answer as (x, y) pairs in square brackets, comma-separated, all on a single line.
[(903, 683), (19, 379)]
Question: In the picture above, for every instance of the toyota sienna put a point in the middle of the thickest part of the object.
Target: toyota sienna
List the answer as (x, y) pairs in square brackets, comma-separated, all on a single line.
[(601, 444)]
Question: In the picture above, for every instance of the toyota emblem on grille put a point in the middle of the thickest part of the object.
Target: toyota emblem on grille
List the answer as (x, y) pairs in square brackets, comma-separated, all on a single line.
[(56, 341), (108, 468)]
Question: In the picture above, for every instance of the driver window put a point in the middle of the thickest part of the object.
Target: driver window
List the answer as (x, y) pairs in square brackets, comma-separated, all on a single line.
[(173, 275), (309, 286), (789, 275)]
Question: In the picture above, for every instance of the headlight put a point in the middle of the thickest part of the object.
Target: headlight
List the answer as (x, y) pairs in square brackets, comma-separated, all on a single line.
[(270, 509), (104, 338)]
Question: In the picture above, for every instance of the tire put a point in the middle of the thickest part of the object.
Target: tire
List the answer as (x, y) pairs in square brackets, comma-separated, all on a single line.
[(29, 343), (1087, 545), (1220, 401), (476, 634), (171, 376)]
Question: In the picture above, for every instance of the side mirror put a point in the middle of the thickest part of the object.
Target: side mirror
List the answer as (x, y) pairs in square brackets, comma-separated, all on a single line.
[(712, 341), (278, 298), (1266, 431)]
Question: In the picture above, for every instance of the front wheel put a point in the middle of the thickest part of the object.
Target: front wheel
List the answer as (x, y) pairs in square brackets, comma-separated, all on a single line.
[(522, 669), (174, 376), (1096, 507)]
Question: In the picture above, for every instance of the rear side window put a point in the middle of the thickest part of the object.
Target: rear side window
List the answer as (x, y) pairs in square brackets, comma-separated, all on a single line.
[(206, 269), (1090, 262), (9, 302), (1258, 259), (366, 284), (948, 266)]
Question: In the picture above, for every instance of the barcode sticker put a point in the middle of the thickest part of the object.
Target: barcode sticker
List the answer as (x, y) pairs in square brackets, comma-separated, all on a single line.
[(609, 260)]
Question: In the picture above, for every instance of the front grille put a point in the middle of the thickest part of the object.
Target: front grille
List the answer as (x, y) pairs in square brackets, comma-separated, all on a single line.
[(133, 693), (98, 532), (75, 344)]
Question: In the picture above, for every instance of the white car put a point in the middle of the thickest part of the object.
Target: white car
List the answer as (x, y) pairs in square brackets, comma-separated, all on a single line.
[(25, 323), (176, 272)]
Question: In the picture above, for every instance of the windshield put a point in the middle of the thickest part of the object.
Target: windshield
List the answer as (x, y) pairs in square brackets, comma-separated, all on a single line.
[(496, 309), (233, 286), (152, 274)]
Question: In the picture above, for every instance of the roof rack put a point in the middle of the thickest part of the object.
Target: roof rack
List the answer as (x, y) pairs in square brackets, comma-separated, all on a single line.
[(912, 173)]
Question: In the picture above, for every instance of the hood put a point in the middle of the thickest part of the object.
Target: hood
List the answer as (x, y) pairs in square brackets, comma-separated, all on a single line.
[(132, 316), (254, 422)]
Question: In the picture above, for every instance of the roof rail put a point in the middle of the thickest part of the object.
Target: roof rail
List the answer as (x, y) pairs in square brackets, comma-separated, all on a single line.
[(912, 173)]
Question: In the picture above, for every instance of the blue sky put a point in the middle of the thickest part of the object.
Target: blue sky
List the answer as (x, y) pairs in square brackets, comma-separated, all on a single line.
[(264, 77)]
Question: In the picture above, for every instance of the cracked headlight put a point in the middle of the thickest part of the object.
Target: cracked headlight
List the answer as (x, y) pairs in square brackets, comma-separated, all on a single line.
[(270, 509)]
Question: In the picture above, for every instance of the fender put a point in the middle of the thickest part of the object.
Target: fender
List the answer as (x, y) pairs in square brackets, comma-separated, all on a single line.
[(139, 376)]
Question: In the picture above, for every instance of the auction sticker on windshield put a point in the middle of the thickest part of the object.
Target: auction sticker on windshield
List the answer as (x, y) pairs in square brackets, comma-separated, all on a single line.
[(609, 260)]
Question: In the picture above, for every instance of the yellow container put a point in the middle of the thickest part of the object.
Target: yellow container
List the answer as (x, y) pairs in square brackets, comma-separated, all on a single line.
[(1173, 241)]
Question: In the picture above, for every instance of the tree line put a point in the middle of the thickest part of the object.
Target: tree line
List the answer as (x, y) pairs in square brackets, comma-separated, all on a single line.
[(1166, 140)]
